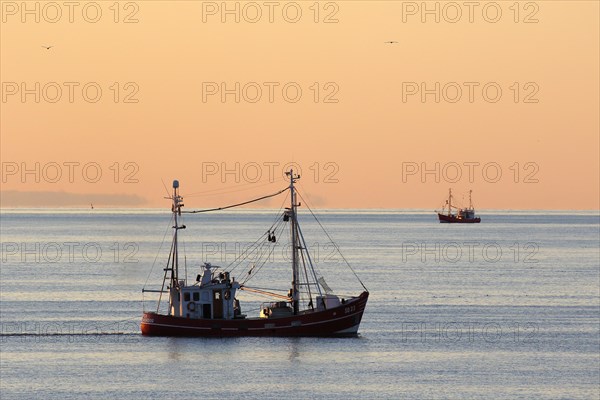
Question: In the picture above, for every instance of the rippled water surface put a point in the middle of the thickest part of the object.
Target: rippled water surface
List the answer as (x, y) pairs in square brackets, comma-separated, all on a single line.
[(508, 308)]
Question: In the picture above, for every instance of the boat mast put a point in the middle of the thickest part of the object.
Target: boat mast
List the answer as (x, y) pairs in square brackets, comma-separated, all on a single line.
[(449, 202), (177, 204), (293, 206), (470, 202)]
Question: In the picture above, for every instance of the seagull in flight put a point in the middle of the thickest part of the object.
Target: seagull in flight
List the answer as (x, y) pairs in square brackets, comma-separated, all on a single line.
[(391, 42), (47, 47)]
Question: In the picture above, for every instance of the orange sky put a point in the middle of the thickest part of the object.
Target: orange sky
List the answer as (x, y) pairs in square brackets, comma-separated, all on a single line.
[(375, 132)]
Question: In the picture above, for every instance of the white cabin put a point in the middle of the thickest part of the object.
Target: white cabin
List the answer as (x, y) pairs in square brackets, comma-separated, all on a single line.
[(211, 297)]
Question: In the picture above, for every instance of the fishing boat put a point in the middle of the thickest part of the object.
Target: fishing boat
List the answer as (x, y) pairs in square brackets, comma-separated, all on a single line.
[(209, 306), (462, 215)]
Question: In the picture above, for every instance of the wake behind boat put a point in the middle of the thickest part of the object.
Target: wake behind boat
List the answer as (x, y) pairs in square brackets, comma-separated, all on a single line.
[(209, 306), (462, 215)]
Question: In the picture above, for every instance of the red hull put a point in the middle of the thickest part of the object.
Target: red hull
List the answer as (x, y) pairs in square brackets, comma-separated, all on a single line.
[(340, 321), (455, 219)]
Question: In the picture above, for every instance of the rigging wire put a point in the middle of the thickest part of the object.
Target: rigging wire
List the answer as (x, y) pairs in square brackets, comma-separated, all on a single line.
[(165, 186), (162, 289), (262, 263), (231, 189), (267, 289), (277, 221), (253, 271), (158, 252), (259, 295), (306, 273), (278, 215), (311, 264), (236, 205), (243, 255), (278, 231), (184, 251), (254, 246), (332, 241), (275, 295)]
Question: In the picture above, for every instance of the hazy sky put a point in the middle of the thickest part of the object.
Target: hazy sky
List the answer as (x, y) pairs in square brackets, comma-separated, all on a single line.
[(495, 97)]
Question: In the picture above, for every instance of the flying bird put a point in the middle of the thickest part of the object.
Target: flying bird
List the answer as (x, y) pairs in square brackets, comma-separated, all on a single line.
[(47, 47), (390, 42)]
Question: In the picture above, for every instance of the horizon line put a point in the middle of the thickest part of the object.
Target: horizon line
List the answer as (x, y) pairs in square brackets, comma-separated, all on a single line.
[(114, 208)]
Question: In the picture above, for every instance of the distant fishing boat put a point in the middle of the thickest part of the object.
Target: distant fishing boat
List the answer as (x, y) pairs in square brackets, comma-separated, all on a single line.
[(208, 306), (462, 215)]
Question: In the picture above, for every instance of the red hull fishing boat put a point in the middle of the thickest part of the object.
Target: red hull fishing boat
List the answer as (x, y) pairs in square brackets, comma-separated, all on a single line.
[(209, 306), (462, 215)]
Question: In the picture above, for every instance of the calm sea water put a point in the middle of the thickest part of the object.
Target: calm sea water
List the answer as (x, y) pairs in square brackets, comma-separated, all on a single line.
[(509, 308)]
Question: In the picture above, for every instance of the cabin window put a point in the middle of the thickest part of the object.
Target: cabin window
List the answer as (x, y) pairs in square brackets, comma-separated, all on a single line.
[(186, 296), (196, 296)]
